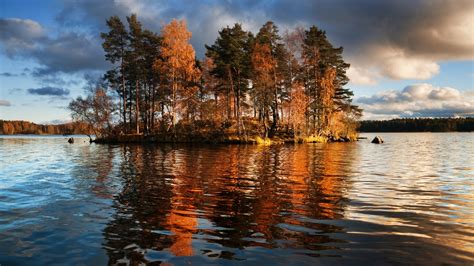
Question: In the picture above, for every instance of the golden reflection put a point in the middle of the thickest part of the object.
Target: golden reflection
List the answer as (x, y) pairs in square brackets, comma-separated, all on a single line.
[(186, 192), (244, 195)]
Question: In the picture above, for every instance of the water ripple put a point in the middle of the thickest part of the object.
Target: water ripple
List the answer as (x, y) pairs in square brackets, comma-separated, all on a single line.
[(408, 201)]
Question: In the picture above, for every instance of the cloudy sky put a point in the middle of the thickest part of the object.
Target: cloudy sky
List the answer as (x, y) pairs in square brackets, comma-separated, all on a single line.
[(408, 58)]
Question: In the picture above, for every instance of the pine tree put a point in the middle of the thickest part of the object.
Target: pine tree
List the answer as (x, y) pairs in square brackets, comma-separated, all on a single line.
[(115, 46), (231, 56)]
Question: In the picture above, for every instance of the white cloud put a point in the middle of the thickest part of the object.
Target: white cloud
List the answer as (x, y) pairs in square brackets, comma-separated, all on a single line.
[(362, 76), (418, 100), (401, 67)]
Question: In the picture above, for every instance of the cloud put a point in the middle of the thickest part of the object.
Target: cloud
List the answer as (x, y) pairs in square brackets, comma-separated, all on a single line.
[(8, 74), (418, 100), (5, 103), (18, 35), (56, 122), (394, 39), (66, 52), (400, 67), (49, 91), (361, 76)]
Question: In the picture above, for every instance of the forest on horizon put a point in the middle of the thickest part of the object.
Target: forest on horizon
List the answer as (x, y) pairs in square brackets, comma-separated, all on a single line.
[(418, 125), (11, 127)]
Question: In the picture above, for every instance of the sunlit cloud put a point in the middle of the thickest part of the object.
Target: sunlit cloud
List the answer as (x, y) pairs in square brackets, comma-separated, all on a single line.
[(419, 100)]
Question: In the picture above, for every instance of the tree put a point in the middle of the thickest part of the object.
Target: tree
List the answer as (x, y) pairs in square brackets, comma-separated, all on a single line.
[(318, 55), (211, 87), (151, 49), (268, 35), (326, 95), (299, 102), (115, 46), (231, 56), (264, 67), (177, 65), (96, 110), (136, 66)]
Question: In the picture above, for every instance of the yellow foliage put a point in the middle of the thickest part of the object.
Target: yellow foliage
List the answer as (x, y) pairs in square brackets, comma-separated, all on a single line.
[(315, 139), (265, 141)]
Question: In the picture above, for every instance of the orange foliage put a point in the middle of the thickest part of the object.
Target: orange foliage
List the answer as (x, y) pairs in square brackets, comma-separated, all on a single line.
[(178, 65), (263, 63), (326, 94), (298, 107)]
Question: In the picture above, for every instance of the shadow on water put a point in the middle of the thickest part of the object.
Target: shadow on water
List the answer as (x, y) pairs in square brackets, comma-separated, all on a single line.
[(232, 202)]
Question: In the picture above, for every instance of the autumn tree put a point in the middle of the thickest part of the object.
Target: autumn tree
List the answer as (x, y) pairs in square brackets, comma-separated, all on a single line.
[(263, 65), (96, 110), (177, 65), (268, 35), (299, 102)]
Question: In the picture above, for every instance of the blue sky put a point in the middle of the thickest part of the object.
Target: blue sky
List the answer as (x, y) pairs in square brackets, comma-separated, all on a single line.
[(408, 58)]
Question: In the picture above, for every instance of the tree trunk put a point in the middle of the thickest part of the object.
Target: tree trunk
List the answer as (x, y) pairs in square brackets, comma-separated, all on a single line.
[(137, 105), (173, 104), (152, 115), (231, 83), (239, 129), (124, 98)]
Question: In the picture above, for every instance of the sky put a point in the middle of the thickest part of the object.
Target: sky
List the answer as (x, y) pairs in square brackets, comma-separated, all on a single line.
[(409, 58)]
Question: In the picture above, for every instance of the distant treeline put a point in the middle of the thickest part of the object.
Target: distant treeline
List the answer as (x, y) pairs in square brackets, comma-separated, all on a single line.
[(419, 125), (25, 127)]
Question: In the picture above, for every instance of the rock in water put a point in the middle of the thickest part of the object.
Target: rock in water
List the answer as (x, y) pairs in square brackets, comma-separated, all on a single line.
[(377, 140), (70, 140)]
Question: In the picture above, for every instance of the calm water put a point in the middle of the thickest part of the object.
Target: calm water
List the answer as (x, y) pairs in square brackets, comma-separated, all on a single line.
[(410, 200)]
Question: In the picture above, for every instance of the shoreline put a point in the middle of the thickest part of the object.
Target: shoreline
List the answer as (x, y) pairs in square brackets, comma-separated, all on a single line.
[(252, 140)]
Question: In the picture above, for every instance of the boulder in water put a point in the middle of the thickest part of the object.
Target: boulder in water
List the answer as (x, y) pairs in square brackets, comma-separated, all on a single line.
[(377, 140), (70, 140)]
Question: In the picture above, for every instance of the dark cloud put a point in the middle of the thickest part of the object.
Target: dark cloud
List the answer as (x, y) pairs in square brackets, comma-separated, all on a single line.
[(5, 103), (397, 39), (419, 100), (68, 52), (49, 91), (8, 74), (392, 38), (18, 35)]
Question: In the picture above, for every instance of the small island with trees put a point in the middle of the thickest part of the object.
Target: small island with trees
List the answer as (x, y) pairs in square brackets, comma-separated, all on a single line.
[(263, 87)]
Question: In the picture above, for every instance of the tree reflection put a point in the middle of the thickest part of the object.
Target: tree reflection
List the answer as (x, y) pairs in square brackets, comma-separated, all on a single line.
[(176, 199)]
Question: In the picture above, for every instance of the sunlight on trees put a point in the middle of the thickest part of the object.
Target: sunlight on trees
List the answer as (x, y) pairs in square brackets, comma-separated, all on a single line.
[(247, 86)]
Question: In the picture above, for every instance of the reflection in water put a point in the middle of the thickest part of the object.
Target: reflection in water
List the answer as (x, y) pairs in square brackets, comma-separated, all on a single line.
[(227, 201), (407, 201)]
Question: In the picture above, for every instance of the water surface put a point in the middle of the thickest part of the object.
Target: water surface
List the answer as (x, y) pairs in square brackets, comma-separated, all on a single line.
[(409, 200)]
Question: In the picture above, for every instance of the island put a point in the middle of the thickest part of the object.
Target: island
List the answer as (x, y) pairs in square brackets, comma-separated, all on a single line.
[(250, 88)]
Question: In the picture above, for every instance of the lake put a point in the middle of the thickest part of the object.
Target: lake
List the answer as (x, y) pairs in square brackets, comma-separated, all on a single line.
[(407, 201)]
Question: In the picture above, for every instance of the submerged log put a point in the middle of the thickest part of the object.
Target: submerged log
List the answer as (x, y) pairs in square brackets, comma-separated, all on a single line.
[(377, 140)]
